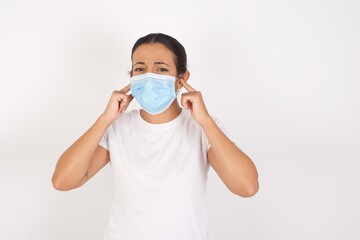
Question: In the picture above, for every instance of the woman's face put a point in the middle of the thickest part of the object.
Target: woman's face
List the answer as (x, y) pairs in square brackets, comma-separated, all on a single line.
[(153, 58)]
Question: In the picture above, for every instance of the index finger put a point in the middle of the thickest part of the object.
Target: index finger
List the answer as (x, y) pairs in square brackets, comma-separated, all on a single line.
[(126, 88), (187, 86)]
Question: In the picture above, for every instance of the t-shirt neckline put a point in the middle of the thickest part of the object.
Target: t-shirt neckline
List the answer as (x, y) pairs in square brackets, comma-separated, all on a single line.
[(159, 126)]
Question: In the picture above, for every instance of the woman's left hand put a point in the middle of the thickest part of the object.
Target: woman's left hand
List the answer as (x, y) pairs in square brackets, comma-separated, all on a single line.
[(193, 101)]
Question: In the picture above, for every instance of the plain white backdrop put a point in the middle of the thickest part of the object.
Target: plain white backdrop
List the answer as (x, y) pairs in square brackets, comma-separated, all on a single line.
[(283, 76)]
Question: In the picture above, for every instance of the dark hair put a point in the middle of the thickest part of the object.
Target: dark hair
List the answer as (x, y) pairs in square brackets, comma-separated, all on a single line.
[(171, 43)]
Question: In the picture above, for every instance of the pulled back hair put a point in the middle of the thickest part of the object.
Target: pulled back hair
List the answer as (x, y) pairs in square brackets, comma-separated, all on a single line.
[(169, 42)]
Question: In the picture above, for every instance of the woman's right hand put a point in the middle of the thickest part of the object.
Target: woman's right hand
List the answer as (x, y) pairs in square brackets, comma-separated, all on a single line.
[(118, 104)]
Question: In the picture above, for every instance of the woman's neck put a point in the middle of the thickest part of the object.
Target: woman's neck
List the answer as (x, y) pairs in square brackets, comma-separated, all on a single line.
[(169, 114)]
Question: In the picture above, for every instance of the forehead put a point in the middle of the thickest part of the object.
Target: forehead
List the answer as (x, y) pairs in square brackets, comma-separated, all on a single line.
[(153, 52)]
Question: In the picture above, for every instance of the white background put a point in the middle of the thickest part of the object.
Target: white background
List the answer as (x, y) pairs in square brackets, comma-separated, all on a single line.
[(283, 76)]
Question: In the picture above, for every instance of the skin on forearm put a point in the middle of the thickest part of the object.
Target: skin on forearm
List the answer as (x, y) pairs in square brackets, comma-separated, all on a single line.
[(73, 164), (84, 158), (233, 166)]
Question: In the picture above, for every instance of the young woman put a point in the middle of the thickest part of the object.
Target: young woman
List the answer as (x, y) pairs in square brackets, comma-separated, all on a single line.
[(161, 154)]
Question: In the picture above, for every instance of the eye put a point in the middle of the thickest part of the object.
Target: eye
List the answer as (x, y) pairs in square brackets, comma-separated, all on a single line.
[(138, 69), (163, 70)]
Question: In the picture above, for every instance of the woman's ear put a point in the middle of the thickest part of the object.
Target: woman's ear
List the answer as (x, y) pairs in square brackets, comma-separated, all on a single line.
[(184, 76)]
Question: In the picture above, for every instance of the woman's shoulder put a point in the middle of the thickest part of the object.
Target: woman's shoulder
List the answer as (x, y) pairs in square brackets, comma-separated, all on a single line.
[(187, 115), (124, 120), (128, 116), (131, 113)]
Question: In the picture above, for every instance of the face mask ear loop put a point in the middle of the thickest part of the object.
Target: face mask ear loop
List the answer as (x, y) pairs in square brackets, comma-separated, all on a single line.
[(178, 90)]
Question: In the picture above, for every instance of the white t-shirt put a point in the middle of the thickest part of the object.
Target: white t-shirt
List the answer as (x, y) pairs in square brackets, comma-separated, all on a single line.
[(160, 174)]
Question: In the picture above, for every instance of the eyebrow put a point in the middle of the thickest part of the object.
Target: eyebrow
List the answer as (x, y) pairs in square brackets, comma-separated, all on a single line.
[(139, 63), (161, 63), (142, 63)]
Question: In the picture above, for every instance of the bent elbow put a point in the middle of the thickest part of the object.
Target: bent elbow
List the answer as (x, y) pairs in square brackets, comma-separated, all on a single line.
[(247, 192), (59, 185), (252, 191)]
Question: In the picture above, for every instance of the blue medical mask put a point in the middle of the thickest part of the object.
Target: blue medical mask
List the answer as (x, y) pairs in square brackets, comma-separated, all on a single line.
[(153, 92)]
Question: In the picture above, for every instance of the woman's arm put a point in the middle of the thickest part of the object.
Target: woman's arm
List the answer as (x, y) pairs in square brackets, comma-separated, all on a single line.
[(82, 159), (234, 167), (85, 157)]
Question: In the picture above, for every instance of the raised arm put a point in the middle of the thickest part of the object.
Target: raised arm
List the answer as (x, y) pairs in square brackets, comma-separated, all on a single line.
[(233, 166), (85, 157)]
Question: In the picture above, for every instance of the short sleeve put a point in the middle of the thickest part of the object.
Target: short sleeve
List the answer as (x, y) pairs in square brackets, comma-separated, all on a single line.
[(222, 128), (104, 141)]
